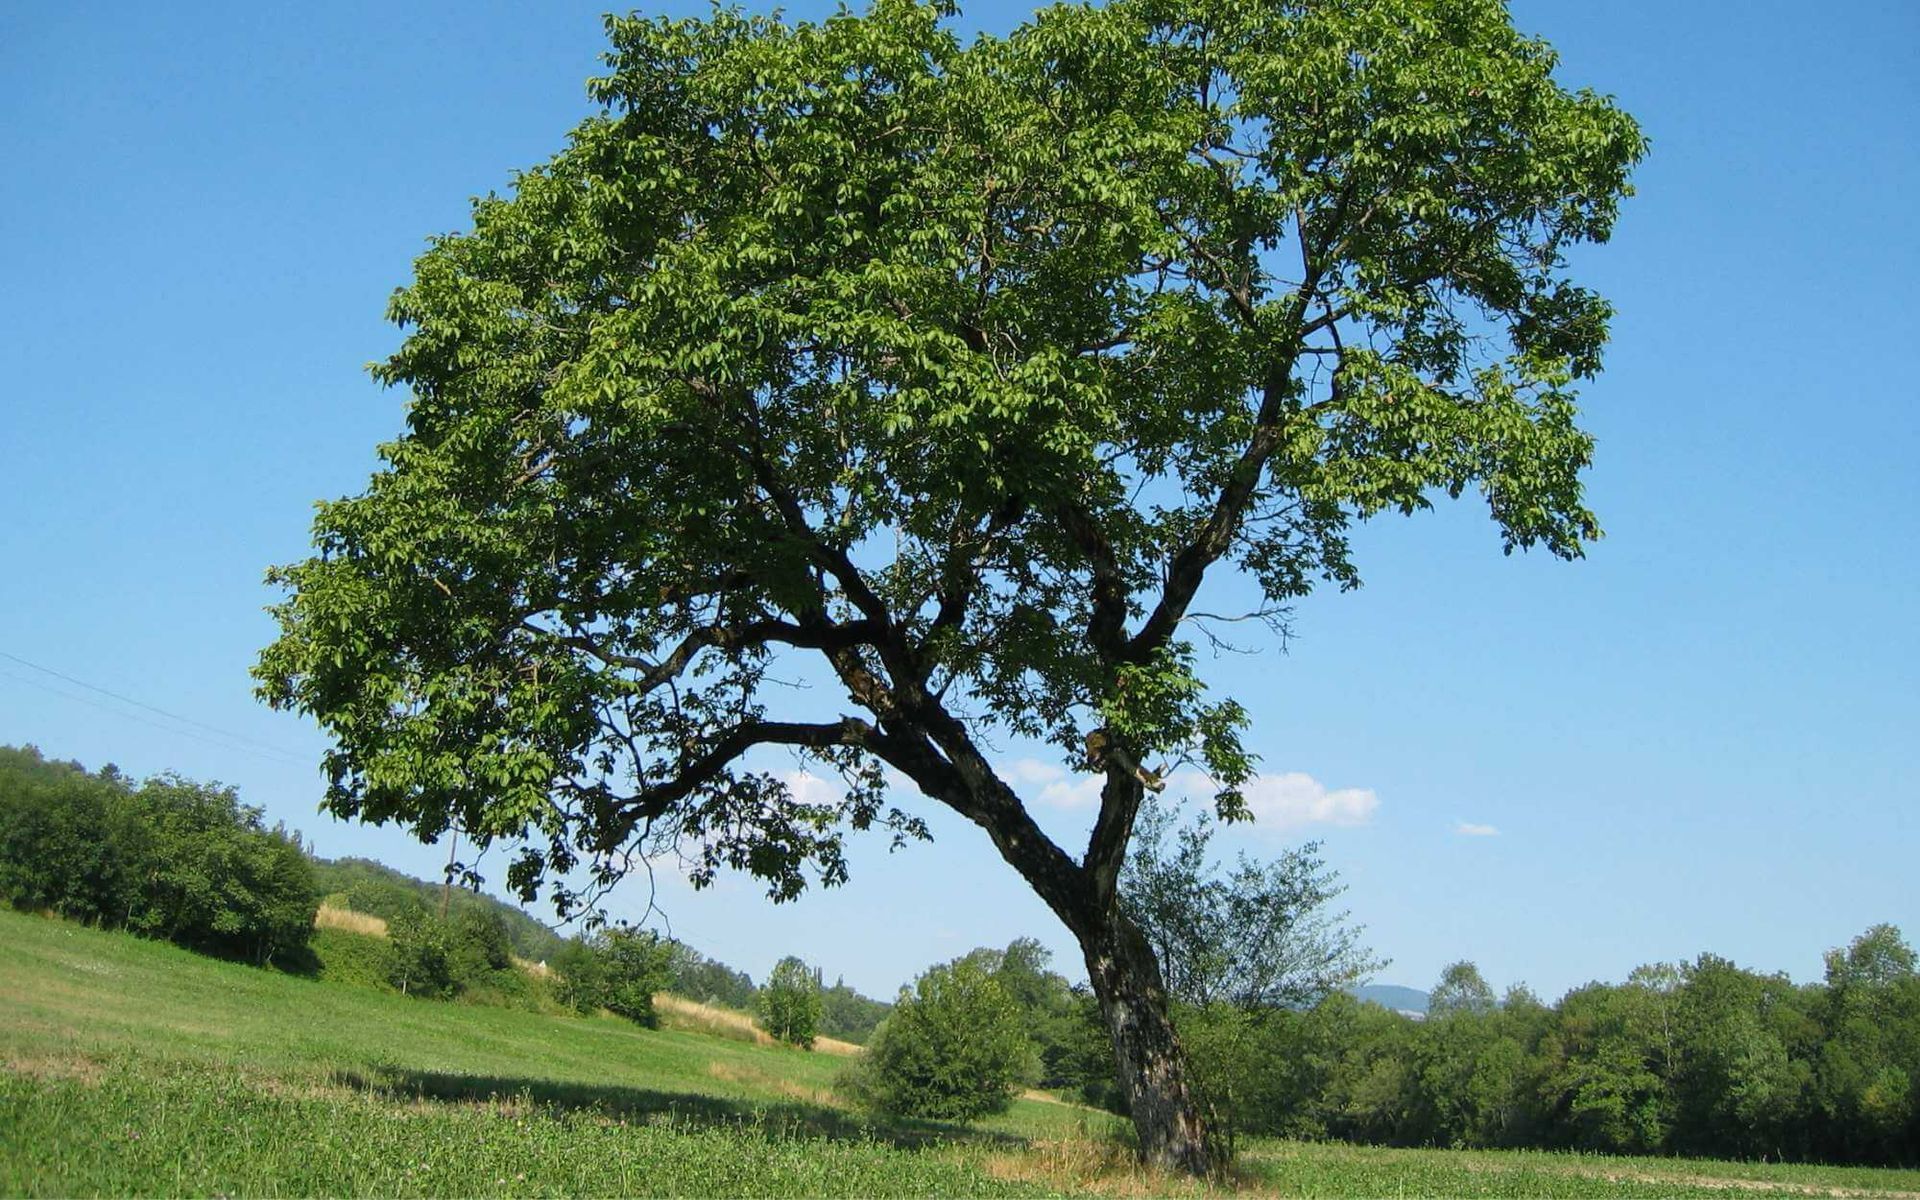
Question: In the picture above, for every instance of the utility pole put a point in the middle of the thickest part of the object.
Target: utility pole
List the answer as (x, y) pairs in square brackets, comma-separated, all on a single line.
[(446, 884)]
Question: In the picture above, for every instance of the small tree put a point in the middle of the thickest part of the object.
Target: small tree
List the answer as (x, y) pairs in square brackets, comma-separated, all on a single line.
[(953, 1048), (790, 1003), (422, 954), (479, 945), (1462, 989), (1252, 936), (634, 965), (580, 977)]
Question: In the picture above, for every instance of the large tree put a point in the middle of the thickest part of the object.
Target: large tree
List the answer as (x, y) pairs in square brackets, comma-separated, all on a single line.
[(957, 367)]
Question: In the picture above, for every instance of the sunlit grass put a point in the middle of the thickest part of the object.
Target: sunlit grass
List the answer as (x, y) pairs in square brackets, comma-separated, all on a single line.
[(133, 1067)]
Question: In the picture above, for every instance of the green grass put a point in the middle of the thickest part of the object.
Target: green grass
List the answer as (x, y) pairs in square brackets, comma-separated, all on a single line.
[(132, 1067)]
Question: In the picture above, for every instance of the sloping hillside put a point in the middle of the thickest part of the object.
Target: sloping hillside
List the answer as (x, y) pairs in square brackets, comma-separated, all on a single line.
[(131, 1067), (373, 888)]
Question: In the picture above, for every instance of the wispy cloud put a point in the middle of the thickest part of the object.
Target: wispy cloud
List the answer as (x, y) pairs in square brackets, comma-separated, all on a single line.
[(1472, 829)]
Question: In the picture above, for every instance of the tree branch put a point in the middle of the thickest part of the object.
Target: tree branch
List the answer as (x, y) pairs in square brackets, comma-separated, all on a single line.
[(650, 803)]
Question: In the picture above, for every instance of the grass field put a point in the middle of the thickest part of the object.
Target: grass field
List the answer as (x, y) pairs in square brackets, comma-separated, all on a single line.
[(132, 1067)]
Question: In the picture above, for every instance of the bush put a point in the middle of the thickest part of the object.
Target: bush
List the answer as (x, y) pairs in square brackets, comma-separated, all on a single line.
[(790, 1003), (618, 970), (636, 968), (953, 1048), (579, 977), (479, 946), (357, 959)]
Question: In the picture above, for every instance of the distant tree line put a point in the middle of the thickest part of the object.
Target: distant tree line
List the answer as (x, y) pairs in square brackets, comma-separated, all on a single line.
[(1698, 1059), (168, 858)]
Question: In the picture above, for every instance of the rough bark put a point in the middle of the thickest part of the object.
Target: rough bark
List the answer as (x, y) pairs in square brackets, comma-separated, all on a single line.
[(1149, 1061)]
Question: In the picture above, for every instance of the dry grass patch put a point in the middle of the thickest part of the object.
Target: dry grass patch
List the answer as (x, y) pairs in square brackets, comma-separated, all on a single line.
[(79, 1067), (1097, 1166), (678, 1012), (329, 917), (750, 1077)]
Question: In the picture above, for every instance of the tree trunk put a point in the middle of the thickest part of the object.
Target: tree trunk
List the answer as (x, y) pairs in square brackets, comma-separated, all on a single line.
[(1151, 1065)]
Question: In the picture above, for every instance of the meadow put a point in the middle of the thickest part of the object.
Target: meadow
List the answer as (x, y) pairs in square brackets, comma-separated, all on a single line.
[(135, 1067)]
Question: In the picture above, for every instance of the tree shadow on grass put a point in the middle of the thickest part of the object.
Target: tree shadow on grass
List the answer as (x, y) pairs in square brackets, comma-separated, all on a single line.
[(771, 1118)]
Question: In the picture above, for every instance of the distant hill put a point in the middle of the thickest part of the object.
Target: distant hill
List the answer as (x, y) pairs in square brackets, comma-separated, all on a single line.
[(1392, 995)]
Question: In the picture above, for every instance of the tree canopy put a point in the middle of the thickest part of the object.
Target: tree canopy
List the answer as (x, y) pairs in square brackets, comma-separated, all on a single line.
[(954, 367)]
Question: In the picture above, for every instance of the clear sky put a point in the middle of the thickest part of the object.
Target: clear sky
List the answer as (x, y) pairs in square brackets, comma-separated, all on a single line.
[(1701, 738)]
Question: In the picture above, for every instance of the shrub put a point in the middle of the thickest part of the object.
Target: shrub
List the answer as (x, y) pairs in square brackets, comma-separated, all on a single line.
[(618, 970), (953, 1048), (358, 959), (790, 1003), (636, 968), (478, 946)]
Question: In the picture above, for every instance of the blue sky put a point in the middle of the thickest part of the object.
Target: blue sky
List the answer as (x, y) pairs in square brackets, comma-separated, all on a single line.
[(1700, 738)]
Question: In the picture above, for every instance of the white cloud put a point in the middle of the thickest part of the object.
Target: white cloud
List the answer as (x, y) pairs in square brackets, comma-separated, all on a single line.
[(1045, 783), (1280, 802), (808, 788), (1471, 829), (1031, 770)]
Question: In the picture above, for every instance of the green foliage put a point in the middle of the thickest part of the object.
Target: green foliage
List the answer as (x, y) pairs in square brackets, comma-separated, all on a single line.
[(170, 858), (479, 944), (697, 977), (355, 959), (636, 968), (944, 358), (617, 969), (423, 952), (790, 1003), (231, 1076), (1699, 1059), (1258, 935), (1461, 989), (378, 890), (581, 976), (953, 1048), (848, 1015), (953, 365), (1068, 1045)]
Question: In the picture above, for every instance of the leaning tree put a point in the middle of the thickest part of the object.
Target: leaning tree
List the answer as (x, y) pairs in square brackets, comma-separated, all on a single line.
[(956, 368)]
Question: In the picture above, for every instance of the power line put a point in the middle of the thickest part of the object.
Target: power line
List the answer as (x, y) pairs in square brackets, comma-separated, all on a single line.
[(234, 741)]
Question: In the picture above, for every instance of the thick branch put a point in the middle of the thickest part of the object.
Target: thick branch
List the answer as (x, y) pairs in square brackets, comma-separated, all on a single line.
[(1120, 801), (1216, 533), (657, 800), (1106, 630)]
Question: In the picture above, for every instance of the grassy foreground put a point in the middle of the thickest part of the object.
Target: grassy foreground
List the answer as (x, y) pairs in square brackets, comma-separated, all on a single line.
[(131, 1067)]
